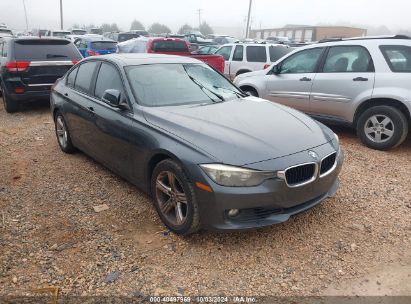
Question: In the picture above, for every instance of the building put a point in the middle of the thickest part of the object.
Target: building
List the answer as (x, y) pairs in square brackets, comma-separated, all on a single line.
[(307, 33)]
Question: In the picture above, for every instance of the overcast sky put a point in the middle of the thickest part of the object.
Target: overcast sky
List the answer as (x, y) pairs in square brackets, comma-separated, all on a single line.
[(394, 14)]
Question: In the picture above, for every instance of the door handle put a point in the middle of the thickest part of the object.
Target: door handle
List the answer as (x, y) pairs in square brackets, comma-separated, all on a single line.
[(91, 109), (65, 94), (360, 79), (305, 79)]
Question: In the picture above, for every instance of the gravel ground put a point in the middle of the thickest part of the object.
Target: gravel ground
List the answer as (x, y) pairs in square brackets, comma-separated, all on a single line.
[(50, 234)]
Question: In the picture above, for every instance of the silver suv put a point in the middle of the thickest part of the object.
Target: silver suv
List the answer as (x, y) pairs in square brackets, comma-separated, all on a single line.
[(363, 82)]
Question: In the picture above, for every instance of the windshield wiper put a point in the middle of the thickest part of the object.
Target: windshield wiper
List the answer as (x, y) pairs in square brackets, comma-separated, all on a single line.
[(55, 56), (205, 88), (239, 94)]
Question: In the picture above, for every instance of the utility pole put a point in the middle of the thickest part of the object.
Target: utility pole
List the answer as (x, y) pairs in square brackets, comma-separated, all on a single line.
[(199, 17), (61, 14), (25, 14), (247, 30)]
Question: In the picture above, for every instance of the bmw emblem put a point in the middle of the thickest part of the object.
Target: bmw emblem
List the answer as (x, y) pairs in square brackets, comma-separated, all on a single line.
[(313, 154)]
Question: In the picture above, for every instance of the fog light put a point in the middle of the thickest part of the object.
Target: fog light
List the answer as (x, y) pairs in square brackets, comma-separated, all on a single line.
[(233, 212)]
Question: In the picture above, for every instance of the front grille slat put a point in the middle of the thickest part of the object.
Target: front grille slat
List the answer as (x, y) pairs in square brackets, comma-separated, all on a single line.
[(300, 174), (328, 163)]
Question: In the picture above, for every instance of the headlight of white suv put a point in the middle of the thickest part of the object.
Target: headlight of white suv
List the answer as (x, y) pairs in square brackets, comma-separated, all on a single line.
[(232, 176)]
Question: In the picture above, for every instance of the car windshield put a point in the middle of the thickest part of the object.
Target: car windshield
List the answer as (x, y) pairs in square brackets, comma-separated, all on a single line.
[(169, 46), (157, 85)]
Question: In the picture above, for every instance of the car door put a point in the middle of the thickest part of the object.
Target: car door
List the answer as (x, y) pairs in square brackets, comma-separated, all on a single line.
[(290, 81), (112, 128), (77, 110), (346, 77), (226, 51)]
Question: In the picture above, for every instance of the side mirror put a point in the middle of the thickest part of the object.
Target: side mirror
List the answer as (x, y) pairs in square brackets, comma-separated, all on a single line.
[(276, 70), (112, 97)]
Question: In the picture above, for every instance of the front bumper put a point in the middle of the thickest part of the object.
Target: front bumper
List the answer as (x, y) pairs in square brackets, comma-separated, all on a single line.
[(270, 203)]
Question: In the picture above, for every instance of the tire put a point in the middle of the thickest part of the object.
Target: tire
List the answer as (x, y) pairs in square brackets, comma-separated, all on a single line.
[(63, 134), (9, 105), (382, 127), (242, 72), (169, 198), (251, 92)]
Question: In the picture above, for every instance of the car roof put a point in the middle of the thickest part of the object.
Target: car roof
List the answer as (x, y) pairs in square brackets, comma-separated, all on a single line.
[(255, 44), (95, 39), (365, 41), (126, 59)]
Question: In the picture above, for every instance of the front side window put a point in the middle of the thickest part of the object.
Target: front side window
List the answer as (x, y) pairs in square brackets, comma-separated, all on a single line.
[(301, 62), (238, 53), (256, 54), (347, 59), (157, 85), (398, 57), (225, 51), (85, 76), (108, 78)]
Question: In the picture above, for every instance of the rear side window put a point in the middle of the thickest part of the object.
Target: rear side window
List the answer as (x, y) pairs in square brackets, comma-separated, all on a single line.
[(108, 78), (225, 51), (71, 78), (85, 76), (346, 59), (398, 57), (238, 53), (276, 52), (43, 49), (103, 45), (256, 54)]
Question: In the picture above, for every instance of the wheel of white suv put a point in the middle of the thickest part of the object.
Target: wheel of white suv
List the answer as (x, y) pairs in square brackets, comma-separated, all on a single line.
[(250, 92), (174, 198), (382, 127)]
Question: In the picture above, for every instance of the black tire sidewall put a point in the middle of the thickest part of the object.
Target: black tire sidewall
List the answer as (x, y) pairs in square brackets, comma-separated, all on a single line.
[(398, 120), (9, 105), (192, 211), (251, 92)]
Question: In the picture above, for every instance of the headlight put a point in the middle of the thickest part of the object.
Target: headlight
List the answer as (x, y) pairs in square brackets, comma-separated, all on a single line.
[(231, 176)]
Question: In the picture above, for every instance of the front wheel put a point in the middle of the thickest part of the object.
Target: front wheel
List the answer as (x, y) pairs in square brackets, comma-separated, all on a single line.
[(382, 127), (174, 198)]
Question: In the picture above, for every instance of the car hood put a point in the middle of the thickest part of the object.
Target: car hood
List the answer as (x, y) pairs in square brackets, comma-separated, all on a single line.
[(241, 131)]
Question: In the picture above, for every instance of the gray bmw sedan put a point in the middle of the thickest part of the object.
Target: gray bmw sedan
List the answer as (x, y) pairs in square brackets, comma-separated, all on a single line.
[(209, 155)]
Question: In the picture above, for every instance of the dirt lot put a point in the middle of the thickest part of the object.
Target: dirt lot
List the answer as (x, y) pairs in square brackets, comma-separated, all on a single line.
[(358, 242)]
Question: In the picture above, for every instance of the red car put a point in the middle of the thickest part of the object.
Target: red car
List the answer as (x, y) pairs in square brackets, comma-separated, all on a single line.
[(171, 46)]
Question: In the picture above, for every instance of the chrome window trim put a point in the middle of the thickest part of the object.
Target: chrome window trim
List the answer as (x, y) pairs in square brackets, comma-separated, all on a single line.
[(46, 63), (333, 167), (282, 174)]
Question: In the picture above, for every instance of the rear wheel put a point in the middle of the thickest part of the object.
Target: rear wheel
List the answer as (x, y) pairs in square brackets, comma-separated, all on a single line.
[(250, 91), (174, 198), (63, 134), (382, 127), (10, 105)]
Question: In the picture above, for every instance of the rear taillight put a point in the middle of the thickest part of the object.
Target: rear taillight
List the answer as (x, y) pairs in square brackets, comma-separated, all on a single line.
[(17, 66), (74, 61), (92, 53), (19, 90)]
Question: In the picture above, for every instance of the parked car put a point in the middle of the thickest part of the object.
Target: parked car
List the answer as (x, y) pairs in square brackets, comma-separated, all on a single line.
[(161, 122), (197, 40), (363, 82), (58, 34), (209, 49), (78, 32), (279, 40), (248, 57), (122, 36), (96, 31), (30, 66), (94, 46), (140, 32), (170, 46), (223, 39)]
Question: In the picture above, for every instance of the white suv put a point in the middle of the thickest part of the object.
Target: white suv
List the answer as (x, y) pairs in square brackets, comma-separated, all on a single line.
[(248, 57), (363, 82)]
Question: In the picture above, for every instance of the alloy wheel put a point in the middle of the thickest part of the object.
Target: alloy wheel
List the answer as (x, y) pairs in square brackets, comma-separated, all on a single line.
[(379, 128), (61, 131), (172, 200)]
